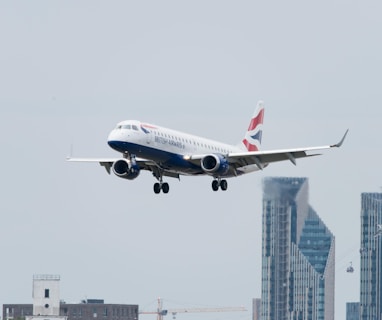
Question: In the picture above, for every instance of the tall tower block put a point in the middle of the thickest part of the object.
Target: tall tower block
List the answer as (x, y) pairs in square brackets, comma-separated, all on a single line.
[(371, 256), (298, 255), (46, 295)]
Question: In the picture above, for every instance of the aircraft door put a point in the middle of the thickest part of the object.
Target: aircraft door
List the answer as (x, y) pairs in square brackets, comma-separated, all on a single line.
[(149, 138)]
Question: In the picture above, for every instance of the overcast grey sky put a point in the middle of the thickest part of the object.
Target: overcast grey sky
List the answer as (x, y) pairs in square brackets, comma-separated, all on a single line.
[(70, 70)]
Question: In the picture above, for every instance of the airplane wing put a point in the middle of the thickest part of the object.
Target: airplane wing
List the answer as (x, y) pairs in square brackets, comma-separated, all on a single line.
[(262, 158), (143, 164)]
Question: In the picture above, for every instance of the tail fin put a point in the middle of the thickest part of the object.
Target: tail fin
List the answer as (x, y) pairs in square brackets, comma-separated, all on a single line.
[(252, 138)]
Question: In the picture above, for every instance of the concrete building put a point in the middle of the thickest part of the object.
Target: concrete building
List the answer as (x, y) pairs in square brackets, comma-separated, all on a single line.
[(46, 301), (371, 257), (297, 255), (46, 298), (90, 309), (48, 306)]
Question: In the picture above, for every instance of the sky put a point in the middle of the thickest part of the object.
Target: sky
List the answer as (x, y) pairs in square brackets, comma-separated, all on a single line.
[(70, 70)]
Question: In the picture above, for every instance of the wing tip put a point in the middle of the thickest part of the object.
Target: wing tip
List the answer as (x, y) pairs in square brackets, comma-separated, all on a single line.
[(339, 144)]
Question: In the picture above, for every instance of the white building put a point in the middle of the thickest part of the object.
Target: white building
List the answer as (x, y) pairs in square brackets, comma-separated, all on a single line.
[(46, 298)]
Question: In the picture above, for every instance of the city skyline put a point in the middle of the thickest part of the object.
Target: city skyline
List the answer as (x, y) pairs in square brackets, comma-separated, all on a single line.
[(287, 198)]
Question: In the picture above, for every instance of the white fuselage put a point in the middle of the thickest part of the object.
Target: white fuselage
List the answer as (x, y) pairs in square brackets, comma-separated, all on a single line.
[(167, 147)]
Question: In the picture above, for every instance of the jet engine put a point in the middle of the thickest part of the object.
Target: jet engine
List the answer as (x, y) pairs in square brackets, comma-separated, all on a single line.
[(126, 169), (215, 164)]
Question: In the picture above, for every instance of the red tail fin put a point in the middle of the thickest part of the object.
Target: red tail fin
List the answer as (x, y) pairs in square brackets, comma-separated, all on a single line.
[(252, 139)]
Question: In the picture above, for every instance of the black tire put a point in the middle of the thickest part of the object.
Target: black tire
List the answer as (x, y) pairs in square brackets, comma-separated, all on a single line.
[(165, 187), (215, 185), (223, 185), (157, 187)]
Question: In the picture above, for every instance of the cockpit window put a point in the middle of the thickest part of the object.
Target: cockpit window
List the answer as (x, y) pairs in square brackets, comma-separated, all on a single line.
[(127, 127)]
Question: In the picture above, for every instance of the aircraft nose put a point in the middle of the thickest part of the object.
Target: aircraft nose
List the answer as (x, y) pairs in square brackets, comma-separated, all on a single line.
[(112, 136), (113, 144), (114, 139), (115, 135)]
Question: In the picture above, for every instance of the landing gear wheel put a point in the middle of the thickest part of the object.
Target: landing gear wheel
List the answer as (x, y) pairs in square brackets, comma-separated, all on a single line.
[(219, 183), (165, 187), (157, 187), (215, 185), (223, 185), (161, 186)]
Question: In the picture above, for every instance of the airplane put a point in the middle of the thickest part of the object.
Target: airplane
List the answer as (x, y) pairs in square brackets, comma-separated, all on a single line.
[(170, 153)]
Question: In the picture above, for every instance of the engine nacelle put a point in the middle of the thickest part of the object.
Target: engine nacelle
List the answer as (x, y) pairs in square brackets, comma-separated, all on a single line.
[(126, 169), (215, 164)]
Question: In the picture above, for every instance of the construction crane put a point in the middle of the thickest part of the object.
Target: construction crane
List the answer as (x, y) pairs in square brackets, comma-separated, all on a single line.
[(160, 312)]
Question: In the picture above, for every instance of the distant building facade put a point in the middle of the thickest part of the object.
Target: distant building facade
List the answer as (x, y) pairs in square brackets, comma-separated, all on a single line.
[(47, 305), (46, 298), (256, 307), (352, 311), (371, 257), (297, 255), (87, 310)]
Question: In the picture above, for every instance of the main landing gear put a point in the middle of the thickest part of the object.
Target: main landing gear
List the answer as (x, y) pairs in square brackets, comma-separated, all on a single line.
[(158, 186), (163, 186), (219, 183)]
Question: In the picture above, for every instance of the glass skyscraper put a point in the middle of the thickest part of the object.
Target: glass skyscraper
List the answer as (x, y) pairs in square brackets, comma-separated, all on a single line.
[(297, 255), (371, 257), (352, 311)]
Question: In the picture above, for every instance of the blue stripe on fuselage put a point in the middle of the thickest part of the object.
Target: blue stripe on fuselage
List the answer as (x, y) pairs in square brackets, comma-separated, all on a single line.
[(167, 160)]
